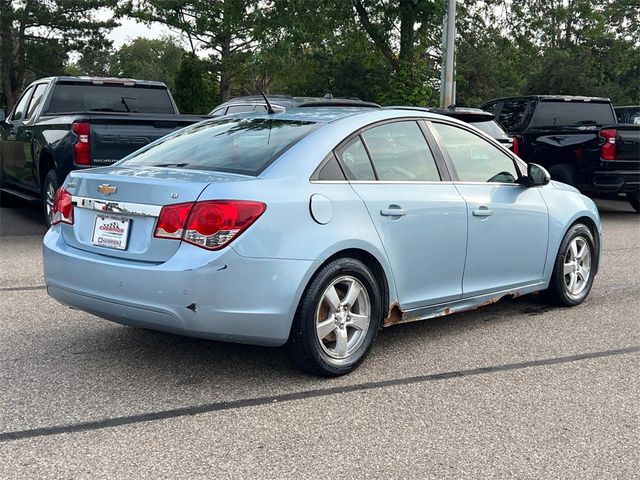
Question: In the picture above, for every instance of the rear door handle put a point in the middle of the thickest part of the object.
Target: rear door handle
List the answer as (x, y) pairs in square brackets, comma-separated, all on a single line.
[(482, 212), (393, 211)]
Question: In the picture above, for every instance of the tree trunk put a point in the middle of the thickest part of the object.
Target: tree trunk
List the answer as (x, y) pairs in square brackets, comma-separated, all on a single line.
[(225, 71), (9, 86)]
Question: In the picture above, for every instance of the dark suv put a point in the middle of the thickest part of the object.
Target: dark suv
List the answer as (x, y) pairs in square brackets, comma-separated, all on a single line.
[(280, 103)]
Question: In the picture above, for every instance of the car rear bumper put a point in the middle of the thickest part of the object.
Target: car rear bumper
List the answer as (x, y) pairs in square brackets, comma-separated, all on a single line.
[(616, 181), (221, 296)]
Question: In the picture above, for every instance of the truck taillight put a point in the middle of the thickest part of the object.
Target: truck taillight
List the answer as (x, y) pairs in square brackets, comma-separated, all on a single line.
[(608, 150), (62, 207), (82, 147), (516, 146), (211, 224)]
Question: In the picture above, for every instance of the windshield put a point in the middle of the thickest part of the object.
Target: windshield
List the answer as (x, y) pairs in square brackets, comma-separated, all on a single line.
[(85, 97), (572, 113), (236, 145)]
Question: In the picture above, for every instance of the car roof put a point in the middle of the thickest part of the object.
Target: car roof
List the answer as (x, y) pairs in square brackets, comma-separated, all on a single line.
[(552, 98)]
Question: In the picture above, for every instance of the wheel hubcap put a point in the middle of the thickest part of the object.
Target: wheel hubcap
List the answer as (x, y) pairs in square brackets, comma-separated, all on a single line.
[(50, 194), (577, 266), (342, 317)]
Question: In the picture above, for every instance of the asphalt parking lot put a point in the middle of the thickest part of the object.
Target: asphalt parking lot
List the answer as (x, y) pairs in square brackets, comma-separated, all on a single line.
[(514, 390)]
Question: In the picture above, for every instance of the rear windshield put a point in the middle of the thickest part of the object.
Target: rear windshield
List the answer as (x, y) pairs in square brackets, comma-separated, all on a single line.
[(572, 113), (491, 128), (69, 97), (236, 145)]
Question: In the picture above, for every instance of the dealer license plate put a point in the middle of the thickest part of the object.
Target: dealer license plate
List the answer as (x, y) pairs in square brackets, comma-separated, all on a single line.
[(111, 232)]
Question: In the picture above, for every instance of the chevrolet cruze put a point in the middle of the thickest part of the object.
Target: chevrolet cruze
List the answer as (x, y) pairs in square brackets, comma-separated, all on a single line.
[(314, 228)]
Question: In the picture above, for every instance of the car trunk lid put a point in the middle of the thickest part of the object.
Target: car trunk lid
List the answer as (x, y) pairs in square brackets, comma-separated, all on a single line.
[(116, 208)]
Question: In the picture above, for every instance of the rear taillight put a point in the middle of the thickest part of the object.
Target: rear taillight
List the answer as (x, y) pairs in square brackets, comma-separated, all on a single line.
[(210, 224), (608, 150), (172, 220), (516, 146), (62, 207), (82, 147)]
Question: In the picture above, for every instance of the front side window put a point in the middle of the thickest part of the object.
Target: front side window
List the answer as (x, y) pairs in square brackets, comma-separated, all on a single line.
[(474, 158), (356, 161), (21, 108), (236, 145), (400, 152)]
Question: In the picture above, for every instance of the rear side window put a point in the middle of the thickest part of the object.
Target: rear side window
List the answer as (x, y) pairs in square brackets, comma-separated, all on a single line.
[(85, 97), (513, 113), (36, 99), (491, 128), (400, 152), (356, 161), (245, 146), (548, 114), (239, 109), (474, 158)]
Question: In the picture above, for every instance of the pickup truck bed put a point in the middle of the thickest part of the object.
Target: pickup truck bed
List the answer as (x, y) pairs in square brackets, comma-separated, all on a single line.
[(39, 147)]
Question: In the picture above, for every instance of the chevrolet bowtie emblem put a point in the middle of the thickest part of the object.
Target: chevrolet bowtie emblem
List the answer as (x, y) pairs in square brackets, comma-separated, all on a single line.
[(107, 189)]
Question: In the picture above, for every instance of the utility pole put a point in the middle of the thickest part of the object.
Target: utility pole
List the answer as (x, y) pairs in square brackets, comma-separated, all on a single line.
[(447, 85)]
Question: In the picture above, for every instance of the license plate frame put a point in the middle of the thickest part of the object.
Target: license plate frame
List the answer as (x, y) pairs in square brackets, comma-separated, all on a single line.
[(111, 232)]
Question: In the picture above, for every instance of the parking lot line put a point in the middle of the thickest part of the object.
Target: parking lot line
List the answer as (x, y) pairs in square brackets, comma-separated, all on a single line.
[(323, 392)]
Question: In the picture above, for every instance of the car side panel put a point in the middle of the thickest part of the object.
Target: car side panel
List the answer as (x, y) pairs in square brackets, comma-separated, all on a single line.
[(566, 206)]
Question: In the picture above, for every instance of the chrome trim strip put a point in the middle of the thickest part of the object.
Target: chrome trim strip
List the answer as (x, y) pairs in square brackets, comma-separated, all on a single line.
[(123, 208)]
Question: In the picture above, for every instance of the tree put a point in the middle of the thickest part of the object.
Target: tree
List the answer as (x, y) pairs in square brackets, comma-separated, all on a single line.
[(149, 59), (29, 28), (224, 26), (194, 91)]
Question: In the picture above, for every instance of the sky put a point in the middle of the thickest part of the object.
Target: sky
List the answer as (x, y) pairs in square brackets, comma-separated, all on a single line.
[(130, 29)]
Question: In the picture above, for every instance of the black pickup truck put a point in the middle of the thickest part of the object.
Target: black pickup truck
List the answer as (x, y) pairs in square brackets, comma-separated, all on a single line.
[(578, 139), (64, 123)]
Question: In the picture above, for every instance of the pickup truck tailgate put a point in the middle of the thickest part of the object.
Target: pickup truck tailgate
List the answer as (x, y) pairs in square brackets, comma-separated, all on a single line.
[(114, 137)]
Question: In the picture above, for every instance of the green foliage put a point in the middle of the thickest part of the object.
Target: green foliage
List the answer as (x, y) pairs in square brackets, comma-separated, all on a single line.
[(194, 90), (147, 59)]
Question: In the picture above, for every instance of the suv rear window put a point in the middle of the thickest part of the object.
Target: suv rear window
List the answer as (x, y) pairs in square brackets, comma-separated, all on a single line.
[(549, 114), (513, 112), (85, 97), (237, 145)]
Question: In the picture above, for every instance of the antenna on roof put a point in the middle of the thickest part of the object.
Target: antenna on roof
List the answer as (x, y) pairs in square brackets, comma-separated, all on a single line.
[(270, 109)]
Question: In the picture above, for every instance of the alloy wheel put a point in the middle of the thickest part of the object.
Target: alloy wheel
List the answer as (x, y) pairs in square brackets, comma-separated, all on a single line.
[(577, 266), (343, 316)]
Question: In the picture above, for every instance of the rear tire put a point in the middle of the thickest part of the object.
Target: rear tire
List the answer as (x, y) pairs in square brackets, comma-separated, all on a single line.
[(337, 320), (565, 174), (634, 200), (49, 188), (574, 268)]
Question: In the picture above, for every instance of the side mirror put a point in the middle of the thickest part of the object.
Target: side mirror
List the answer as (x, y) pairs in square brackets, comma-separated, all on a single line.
[(537, 176)]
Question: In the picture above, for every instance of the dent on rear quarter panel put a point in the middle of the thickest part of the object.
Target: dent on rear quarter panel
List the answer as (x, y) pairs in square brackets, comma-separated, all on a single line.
[(287, 230), (565, 207)]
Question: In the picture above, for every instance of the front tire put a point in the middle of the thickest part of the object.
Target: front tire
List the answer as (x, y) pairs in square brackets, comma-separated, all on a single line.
[(49, 188), (574, 268), (634, 200), (337, 320)]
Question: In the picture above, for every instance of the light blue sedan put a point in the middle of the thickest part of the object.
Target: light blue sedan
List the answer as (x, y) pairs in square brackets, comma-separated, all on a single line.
[(314, 228)]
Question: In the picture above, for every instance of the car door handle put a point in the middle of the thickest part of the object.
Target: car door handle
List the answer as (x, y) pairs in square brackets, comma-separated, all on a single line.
[(482, 212), (393, 211)]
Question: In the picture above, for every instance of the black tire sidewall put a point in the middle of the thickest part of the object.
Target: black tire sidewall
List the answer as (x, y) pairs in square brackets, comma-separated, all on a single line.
[(303, 339), (50, 178), (558, 287)]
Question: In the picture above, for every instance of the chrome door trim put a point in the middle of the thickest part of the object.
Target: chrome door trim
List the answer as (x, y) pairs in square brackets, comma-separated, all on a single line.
[(123, 208)]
